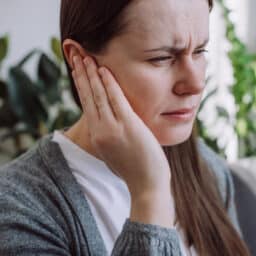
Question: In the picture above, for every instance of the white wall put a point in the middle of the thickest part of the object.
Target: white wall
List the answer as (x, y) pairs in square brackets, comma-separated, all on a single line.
[(30, 23), (251, 31)]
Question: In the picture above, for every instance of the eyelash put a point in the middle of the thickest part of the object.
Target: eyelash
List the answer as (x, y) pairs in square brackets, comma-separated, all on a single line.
[(169, 57)]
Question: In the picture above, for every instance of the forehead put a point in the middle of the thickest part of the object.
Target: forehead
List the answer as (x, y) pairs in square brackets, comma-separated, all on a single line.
[(177, 21)]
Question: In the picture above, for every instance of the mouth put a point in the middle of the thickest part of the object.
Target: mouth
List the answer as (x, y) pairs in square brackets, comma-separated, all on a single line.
[(185, 114)]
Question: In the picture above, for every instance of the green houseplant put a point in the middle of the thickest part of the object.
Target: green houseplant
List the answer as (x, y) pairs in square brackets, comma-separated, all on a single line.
[(243, 89), (27, 104)]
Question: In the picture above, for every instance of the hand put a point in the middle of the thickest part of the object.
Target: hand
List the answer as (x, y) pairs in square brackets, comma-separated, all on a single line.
[(117, 133)]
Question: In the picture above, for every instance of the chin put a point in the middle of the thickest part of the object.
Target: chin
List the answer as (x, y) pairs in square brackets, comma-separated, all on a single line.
[(175, 135)]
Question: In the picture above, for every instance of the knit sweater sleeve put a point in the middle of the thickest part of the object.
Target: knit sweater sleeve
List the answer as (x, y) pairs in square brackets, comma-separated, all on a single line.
[(146, 240)]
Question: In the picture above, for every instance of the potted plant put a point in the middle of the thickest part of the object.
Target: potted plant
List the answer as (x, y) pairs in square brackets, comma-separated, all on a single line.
[(33, 108)]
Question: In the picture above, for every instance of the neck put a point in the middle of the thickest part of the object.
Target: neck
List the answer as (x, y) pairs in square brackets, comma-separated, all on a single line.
[(79, 134)]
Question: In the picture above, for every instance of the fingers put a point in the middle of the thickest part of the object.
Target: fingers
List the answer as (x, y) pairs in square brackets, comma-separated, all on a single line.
[(118, 100), (84, 91), (100, 98), (98, 90)]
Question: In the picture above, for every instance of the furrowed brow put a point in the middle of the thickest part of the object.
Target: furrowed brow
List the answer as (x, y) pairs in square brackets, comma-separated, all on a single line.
[(176, 50), (168, 49)]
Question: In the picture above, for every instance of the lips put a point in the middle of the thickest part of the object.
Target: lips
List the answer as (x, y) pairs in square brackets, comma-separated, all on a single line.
[(179, 111), (180, 115)]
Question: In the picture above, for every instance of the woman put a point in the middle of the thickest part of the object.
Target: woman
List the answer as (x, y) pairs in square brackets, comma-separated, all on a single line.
[(130, 177)]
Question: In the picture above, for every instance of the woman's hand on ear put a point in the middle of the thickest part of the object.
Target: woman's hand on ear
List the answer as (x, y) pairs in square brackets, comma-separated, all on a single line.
[(117, 133), (119, 136)]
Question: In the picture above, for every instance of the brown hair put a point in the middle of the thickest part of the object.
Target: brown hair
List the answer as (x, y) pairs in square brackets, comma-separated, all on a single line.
[(203, 217)]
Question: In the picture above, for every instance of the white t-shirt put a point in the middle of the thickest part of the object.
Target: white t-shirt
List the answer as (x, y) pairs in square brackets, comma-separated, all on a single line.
[(108, 195)]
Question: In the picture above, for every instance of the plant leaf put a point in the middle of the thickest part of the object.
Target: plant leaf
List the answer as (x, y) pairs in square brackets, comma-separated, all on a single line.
[(15, 131), (3, 90), (27, 57), (65, 118), (4, 43), (56, 48), (222, 112), (7, 116), (24, 99), (49, 74)]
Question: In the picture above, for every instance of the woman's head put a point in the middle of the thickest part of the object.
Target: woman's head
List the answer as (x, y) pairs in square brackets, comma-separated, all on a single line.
[(121, 35)]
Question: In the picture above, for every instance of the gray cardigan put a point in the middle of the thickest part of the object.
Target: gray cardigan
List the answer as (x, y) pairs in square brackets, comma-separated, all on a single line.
[(44, 212)]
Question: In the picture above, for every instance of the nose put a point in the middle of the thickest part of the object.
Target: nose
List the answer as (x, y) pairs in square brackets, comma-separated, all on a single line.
[(190, 79)]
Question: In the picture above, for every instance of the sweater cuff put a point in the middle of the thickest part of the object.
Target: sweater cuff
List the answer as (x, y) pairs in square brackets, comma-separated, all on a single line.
[(152, 230)]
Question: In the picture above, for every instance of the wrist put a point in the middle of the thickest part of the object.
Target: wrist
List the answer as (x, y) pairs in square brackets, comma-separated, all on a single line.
[(146, 191), (155, 207)]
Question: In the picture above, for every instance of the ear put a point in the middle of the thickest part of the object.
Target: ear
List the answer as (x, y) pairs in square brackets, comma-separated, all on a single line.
[(72, 48)]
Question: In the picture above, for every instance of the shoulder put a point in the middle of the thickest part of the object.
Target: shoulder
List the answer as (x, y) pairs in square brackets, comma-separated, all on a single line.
[(225, 181), (219, 167), (28, 179), (28, 199), (23, 172), (24, 181)]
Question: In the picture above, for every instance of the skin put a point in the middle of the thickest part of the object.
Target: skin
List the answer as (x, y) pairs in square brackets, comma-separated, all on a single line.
[(153, 87)]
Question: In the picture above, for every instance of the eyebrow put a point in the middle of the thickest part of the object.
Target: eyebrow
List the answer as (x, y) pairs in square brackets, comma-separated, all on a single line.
[(176, 49)]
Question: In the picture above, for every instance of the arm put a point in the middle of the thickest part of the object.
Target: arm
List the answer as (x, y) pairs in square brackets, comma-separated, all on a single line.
[(140, 239), (149, 230)]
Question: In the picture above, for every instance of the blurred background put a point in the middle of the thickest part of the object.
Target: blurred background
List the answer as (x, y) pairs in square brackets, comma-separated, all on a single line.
[(35, 97)]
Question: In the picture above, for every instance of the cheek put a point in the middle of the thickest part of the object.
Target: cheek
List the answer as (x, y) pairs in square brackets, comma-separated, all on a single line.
[(142, 87)]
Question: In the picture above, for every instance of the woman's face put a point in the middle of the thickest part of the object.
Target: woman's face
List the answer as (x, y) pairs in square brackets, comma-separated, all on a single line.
[(168, 79)]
